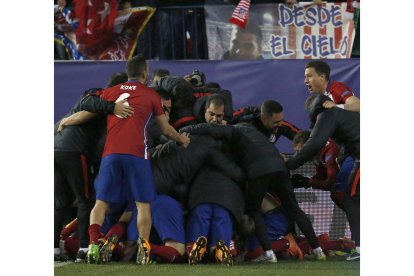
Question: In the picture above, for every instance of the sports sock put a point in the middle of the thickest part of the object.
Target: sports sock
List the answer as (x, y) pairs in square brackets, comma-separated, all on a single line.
[(57, 251), (331, 245), (280, 245), (250, 255), (117, 229), (166, 253), (269, 253), (94, 233)]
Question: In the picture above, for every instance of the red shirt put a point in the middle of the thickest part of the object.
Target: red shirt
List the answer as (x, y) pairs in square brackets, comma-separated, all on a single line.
[(338, 92), (128, 136), (326, 167)]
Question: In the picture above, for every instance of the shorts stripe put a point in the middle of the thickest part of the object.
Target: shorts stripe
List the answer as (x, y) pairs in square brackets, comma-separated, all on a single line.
[(355, 184), (85, 175)]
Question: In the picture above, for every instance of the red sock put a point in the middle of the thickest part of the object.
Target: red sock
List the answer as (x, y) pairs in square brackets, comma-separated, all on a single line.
[(305, 247), (331, 245), (118, 251), (117, 229), (94, 233), (69, 229), (280, 245), (166, 253), (72, 245), (253, 254)]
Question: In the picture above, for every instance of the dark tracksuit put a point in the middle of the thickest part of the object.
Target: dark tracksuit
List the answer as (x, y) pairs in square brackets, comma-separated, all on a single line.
[(77, 151), (343, 127), (265, 170)]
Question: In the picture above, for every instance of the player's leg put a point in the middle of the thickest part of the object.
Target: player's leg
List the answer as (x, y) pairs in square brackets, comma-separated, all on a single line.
[(256, 191), (197, 231), (138, 175), (168, 221), (221, 230), (63, 198), (352, 209), (284, 189)]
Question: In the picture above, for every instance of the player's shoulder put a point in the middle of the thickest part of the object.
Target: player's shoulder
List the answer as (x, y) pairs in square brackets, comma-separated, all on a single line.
[(338, 87)]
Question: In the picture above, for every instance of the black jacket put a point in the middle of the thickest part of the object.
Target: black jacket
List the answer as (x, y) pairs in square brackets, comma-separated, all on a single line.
[(250, 149), (174, 165), (251, 114), (210, 185), (340, 125), (87, 139)]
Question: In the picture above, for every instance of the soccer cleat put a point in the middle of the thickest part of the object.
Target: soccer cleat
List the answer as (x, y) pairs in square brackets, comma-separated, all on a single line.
[(93, 254), (143, 253), (62, 257), (198, 250), (81, 256), (266, 258), (222, 254), (319, 255), (294, 249), (107, 248), (354, 257)]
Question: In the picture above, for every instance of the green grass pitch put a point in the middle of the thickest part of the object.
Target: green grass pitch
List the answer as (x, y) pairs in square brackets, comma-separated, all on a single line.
[(333, 266)]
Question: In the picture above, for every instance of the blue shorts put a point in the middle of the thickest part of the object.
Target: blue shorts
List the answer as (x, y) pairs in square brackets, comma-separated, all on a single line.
[(277, 227), (111, 218), (167, 220), (124, 177), (211, 221), (341, 182)]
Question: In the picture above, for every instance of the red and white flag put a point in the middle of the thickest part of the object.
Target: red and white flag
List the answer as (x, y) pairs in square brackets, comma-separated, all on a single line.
[(241, 14)]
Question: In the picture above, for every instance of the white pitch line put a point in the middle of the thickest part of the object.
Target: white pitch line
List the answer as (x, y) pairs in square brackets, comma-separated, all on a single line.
[(58, 264)]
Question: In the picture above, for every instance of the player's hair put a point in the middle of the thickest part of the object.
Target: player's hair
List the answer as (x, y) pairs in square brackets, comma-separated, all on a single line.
[(301, 137), (136, 66), (182, 95), (321, 68), (215, 99), (117, 78), (160, 72), (270, 107)]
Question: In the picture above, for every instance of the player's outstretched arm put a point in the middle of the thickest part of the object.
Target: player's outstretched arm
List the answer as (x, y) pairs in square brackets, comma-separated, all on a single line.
[(170, 132)]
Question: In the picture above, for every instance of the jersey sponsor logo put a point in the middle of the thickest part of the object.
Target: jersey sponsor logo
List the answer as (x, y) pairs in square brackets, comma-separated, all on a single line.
[(128, 87), (272, 138)]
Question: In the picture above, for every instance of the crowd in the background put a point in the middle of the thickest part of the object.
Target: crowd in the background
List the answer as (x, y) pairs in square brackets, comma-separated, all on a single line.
[(177, 29)]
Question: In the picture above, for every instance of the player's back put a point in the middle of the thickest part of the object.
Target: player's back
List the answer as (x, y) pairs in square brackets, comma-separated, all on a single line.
[(128, 136)]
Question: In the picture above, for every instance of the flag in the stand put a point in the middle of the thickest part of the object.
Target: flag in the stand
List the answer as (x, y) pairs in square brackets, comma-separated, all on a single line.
[(96, 22), (119, 42), (241, 14)]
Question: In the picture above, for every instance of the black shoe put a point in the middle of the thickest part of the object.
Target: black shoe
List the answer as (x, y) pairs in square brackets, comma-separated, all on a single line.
[(81, 256), (355, 256), (62, 257)]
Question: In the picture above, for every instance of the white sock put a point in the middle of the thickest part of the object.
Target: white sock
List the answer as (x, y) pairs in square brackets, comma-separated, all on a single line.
[(357, 249), (57, 251), (84, 249), (317, 250), (269, 253)]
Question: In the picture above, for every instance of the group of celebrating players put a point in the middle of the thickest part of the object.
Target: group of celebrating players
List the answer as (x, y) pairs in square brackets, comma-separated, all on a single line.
[(170, 173)]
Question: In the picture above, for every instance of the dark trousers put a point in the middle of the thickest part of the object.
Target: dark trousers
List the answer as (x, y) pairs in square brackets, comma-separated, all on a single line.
[(278, 183), (73, 181), (351, 203)]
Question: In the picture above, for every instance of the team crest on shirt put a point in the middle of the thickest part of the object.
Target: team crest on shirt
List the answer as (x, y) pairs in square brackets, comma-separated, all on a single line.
[(272, 138)]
